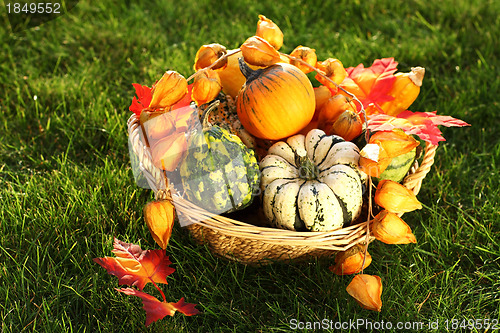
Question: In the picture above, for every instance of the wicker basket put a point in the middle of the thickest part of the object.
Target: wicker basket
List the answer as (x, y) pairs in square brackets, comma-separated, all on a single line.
[(251, 244)]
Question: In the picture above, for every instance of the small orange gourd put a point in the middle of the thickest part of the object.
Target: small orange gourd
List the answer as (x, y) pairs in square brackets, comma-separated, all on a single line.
[(332, 109), (348, 125), (275, 102)]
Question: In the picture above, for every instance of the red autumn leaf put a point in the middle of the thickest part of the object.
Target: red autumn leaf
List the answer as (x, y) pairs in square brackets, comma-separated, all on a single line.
[(156, 310), (422, 124), (135, 267), (143, 99), (371, 85)]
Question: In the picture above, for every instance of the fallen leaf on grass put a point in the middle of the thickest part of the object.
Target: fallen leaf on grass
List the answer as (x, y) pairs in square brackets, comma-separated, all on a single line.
[(156, 310), (135, 267)]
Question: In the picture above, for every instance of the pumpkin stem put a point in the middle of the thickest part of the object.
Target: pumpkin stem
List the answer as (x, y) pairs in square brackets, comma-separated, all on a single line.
[(250, 74), (307, 169), (205, 123)]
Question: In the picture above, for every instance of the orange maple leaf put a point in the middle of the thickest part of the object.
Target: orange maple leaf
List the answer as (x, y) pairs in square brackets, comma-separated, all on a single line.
[(371, 85), (156, 310), (136, 267), (422, 124)]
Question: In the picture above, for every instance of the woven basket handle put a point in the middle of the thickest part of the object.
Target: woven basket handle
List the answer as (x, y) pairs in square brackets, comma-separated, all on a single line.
[(153, 175), (414, 180)]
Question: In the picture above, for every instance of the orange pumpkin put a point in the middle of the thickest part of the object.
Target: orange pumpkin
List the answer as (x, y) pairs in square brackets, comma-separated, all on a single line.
[(275, 102), (332, 109), (348, 125)]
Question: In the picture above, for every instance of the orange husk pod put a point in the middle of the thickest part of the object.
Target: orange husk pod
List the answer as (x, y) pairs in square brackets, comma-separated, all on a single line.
[(268, 30), (373, 159), (389, 228), (170, 89), (208, 54), (332, 109), (333, 69), (348, 125), (305, 54), (395, 142), (157, 125), (169, 151), (207, 85), (395, 198), (351, 261), (367, 291), (159, 217), (258, 52), (405, 91)]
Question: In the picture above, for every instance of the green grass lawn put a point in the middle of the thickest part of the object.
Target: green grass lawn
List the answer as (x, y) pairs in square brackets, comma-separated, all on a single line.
[(66, 185)]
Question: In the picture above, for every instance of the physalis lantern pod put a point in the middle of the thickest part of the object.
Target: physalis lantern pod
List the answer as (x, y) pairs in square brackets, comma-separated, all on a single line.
[(382, 147), (258, 52), (395, 197), (366, 290), (351, 261), (395, 142), (168, 152), (208, 54), (333, 69), (391, 229), (373, 159), (159, 217), (207, 85), (305, 54), (268, 30), (348, 125), (171, 88)]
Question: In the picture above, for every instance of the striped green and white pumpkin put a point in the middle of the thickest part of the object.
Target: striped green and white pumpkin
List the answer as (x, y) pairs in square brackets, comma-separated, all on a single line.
[(219, 173), (311, 182)]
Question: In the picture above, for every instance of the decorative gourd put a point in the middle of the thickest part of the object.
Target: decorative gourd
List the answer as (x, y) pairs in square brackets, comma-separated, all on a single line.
[(348, 125), (332, 109), (399, 166), (311, 182), (275, 102), (225, 116), (219, 173)]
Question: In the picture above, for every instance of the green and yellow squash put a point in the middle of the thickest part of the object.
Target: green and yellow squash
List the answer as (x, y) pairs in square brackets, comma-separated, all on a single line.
[(399, 167), (219, 173)]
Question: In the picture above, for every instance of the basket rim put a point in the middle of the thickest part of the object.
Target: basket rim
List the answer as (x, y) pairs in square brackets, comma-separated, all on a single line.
[(338, 239)]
